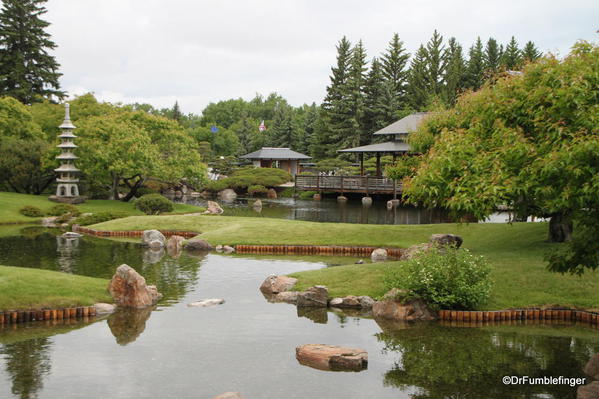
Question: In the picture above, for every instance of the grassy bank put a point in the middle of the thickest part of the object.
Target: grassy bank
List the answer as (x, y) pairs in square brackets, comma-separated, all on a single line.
[(515, 253), (23, 288), (11, 203)]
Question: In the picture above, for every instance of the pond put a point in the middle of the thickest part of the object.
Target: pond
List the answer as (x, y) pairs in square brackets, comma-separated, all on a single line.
[(248, 344)]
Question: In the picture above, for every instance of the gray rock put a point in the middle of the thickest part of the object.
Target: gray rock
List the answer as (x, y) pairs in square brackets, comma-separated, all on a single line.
[(366, 302), (227, 195), (213, 208), (441, 240), (415, 251), (367, 201), (317, 296), (204, 303), (359, 262), (149, 237), (287, 297), (392, 307), (275, 284), (229, 395), (49, 221), (197, 244), (342, 198), (257, 203), (589, 391), (271, 193), (71, 234), (379, 255), (219, 248), (174, 244), (228, 249), (104, 308), (592, 367)]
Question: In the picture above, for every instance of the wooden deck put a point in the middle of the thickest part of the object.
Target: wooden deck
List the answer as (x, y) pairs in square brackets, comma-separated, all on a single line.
[(347, 184)]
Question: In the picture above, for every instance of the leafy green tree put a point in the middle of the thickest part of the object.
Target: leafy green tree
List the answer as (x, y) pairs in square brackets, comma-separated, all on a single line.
[(455, 71), (476, 66), (529, 142), (492, 57), (531, 53), (512, 56), (393, 68), (27, 71)]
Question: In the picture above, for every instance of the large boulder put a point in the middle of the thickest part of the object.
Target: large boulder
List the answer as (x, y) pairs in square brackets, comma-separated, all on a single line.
[(197, 244), (287, 297), (589, 391), (213, 208), (128, 289), (592, 367), (443, 240), (328, 357), (275, 284), (352, 301), (227, 195), (396, 309), (271, 193), (153, 239), (317, 296), (104, 308), (379, 255), (414, 251)]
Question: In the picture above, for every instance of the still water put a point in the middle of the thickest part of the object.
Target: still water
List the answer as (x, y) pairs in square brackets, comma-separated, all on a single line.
[(248, 344)]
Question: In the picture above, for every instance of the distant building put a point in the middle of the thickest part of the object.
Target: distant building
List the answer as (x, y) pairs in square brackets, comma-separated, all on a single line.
[(281, 158)]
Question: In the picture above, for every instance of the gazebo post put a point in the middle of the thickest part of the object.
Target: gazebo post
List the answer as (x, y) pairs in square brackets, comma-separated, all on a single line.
[(361, 164), (378, 164)]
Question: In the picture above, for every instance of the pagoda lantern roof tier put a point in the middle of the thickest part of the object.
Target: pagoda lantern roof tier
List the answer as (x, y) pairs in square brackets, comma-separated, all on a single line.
[(67, 124), (67, 135), (67, 155), (66, 168), (68, 144)]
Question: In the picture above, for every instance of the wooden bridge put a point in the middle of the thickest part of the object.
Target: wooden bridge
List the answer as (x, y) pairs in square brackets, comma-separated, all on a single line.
[(348, 184)]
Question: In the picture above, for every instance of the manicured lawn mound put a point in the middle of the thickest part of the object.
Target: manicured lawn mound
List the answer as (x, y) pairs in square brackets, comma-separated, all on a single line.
[(11, 203), (23, 288)]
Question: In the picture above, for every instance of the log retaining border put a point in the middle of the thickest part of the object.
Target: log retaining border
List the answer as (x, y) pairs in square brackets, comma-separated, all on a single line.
[(313, 250), (129, 233), (559, 314), (24, 316)]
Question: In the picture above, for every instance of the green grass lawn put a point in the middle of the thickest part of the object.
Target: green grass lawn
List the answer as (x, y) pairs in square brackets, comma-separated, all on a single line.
[(10, 203), (23, 288), (514, 251)]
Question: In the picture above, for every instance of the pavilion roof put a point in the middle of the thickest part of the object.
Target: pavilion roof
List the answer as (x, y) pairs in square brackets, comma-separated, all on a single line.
[(405, 125), (389, 146), (275, 153)]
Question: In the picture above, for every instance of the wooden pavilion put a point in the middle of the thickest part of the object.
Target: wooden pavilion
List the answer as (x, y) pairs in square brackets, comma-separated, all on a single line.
[(282, 158)]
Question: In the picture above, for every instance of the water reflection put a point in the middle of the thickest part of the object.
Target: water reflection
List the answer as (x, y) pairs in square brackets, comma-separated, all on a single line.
[(317, 315), (27, 362), (470, 362), (127, 324)]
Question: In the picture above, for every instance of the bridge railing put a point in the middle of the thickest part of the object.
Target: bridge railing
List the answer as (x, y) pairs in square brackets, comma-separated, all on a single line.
[(346, 183)]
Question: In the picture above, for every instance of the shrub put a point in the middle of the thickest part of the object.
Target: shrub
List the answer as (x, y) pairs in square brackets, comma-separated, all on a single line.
[(244, 178), (99, 217), (144, 191), (31, 211), (257, 190), (63, 209), (154, 204), (446, 278), (307, 194)]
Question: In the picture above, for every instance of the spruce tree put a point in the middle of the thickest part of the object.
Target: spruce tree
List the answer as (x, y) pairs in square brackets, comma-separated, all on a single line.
[(531, 53), (378, 101), (27, 71), (476, 67), (492, 57), (393, 64), (283, 130), (455, 72), (355, 87), (512, 56), (418, 87), (176, 112), (309, 125), (436, 62)]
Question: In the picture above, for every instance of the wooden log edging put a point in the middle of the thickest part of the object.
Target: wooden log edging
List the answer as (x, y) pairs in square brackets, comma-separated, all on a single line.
[(313, 250), (24, 316), (130, 233), (562, 314)]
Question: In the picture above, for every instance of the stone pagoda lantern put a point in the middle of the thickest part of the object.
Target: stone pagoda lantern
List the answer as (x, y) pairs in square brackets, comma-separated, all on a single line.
[(67, 190)]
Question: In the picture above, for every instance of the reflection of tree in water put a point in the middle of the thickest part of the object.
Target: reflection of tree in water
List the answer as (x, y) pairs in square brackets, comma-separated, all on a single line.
[(447, 362), (27, 362)]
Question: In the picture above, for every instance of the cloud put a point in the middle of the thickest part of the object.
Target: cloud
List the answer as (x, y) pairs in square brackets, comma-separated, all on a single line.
[(197, 52)]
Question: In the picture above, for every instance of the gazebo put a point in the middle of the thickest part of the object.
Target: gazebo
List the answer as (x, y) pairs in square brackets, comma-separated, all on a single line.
[(399, 130), (282, 158)]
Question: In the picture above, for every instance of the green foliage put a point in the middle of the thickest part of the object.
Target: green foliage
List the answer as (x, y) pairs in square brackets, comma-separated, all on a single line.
[(446, 278), (29, 73), (403, 167), (63, 209), (526, 141), (99, 217), (154, 204), (257, 190), (307, 194), (31, 211), (250, 176)]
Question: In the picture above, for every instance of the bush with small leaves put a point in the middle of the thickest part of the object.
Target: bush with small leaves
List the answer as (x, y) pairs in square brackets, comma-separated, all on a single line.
[(257, 190), (446, 278), (154, 204), (99, 217), (31, 211), (63, 209)]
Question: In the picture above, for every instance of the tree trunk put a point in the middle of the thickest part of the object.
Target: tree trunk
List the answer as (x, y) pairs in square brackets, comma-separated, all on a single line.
[(560, 227), (133, 187), (115, 187)]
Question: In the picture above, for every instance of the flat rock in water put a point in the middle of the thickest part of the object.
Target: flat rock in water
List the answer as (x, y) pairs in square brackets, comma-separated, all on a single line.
[(229, 395), (104, 308), (329, 357), (206, 303), (275, 284), (317, 296)]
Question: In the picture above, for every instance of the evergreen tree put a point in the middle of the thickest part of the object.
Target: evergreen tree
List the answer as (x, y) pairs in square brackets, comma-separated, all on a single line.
[(531, 53), (418, 87), (436, 62), (379, 101), (455, 72), (176, 112), (27, 72), (393, 64), (355, 87), (476, 67), (283, 130), (309, 125), (512, 56), (492, 57)]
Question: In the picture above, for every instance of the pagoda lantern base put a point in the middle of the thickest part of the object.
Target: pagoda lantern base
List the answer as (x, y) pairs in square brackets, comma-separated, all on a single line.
[(68, 200)]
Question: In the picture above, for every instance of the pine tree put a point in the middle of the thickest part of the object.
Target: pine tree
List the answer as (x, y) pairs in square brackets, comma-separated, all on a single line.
[(530, 53), (308, 127), (283, 130), (394, 71), (512, 57), (27, 72), (492, 57), (418, 87), (436, 63), (455, 72), (355, 86), (475, 70), (176, 112), (379, 101)]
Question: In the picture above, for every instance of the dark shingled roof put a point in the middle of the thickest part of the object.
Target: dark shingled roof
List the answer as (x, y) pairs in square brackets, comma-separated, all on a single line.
[(389, 146), (405, 125), (275, 153)]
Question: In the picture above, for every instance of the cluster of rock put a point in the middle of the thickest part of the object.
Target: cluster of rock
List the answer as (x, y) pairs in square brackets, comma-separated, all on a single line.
[(591, 390), (154, 239)]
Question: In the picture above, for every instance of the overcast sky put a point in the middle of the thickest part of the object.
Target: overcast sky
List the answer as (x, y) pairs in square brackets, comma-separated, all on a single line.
[(202, 51)]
